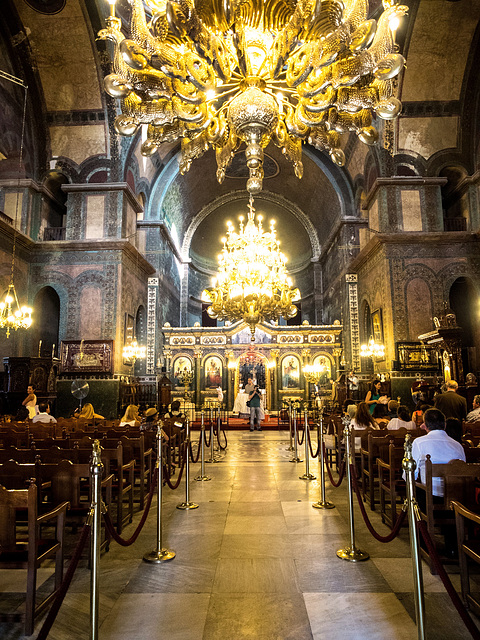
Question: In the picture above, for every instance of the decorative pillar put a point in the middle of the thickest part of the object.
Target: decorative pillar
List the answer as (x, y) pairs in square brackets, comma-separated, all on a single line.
[(151, 325), (352, 279), (197, 354), (229, 356), (306, 360), (274, 378)]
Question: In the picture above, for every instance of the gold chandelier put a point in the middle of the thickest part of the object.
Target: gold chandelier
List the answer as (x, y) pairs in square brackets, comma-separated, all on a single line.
[(133, 351), (372, 349), (313, 372), (219, 74), (252, 282), (12, 315)]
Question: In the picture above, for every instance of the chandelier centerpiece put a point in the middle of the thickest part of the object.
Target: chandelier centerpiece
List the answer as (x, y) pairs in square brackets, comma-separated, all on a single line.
[(222, 74), (313, 372), (133, 352), (252, 282), (372, 349)]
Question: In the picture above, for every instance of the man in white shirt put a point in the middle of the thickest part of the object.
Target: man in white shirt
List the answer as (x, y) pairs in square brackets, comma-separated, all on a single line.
[(43, 415), (474, 415), (439, 445)]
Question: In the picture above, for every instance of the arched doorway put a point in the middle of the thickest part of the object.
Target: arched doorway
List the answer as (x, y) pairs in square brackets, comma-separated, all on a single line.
[(46, 323), (463, 300)]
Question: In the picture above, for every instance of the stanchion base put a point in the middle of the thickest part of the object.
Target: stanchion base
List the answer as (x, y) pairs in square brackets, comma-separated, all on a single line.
[(308, 476), (187, 505), (352, 555), (296, 460), (156, 557), (323, 505), (210, 461), (202, 478), (289, 448)]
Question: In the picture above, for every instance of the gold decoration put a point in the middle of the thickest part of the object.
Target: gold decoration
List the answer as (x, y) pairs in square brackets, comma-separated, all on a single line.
[(372, 349), (252, 282), (222, 74)]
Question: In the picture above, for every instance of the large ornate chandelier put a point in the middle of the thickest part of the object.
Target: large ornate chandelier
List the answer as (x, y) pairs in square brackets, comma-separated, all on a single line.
[(252, 282), (219, 74)]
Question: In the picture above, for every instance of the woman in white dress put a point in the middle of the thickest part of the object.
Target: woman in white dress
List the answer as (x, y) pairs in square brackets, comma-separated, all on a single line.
[(30, 401)]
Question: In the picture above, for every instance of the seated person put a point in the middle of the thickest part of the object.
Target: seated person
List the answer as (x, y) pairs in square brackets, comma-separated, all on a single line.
[(441, 447), (88, 413), (362, 420), (130, 417), (151, 419), (43, 415), (174, 411), (474, 415), (392, 407), (453, 428), (380, 415), (402, 421)]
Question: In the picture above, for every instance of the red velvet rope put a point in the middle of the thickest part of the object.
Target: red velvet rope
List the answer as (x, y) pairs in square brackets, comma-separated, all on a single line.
[(314, 455), (218, 438), (57, 603), (111, 529), (341, 471), (458, 604), (166, 474), (207, 440), (396, 529), (300, 431), (190, 449)]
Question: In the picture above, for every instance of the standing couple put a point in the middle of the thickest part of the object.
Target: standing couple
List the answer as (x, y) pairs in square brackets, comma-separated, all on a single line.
[(254, 402)]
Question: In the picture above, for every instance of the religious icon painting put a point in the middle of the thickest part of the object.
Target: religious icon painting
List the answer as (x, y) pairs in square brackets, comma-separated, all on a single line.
[(213, 372)]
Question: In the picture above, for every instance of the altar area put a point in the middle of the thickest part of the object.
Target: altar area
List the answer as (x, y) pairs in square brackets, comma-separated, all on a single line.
[(202, 361)]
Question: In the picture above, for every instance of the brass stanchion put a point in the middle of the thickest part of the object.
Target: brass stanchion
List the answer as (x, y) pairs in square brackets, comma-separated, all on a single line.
[(295, 455), (202, 475), (409, 465), (159, 554), (351, 553), (96, 471), (307, 475), (187, 504), (322, 503), (212, 454)]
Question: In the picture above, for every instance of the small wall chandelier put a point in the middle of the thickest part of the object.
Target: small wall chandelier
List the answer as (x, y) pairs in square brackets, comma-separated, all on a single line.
[(132, 351), (313, 372), (222, 74), (12, 315), (252, 282), (372, 349)]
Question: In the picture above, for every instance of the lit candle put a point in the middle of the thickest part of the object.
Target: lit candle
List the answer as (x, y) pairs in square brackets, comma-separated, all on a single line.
[(53, 350), (39, 347)]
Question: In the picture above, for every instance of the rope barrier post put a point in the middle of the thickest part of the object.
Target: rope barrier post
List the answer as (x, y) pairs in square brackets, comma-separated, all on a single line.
[(322, 503), (202, 476), (159, 554), (351, 553), (409, 465), (212, 454), (290, 447), (187, 504), (295, 455), (96, 471), (307, 475)]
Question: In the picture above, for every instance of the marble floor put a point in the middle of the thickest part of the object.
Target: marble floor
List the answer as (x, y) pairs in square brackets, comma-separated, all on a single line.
[(255, 561)]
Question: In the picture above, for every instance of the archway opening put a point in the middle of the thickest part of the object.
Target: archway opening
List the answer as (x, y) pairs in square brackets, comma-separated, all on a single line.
[(46, 322)]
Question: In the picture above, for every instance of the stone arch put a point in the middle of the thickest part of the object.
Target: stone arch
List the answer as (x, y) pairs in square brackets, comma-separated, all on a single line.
[(265, 195)]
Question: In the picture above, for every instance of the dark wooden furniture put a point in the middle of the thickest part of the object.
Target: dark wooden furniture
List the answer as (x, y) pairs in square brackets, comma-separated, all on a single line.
[(467, 522), (30, 551)]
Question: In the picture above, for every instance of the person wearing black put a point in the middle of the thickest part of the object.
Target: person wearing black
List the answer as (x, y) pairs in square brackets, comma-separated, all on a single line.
[(450, 403), (255, 410)]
